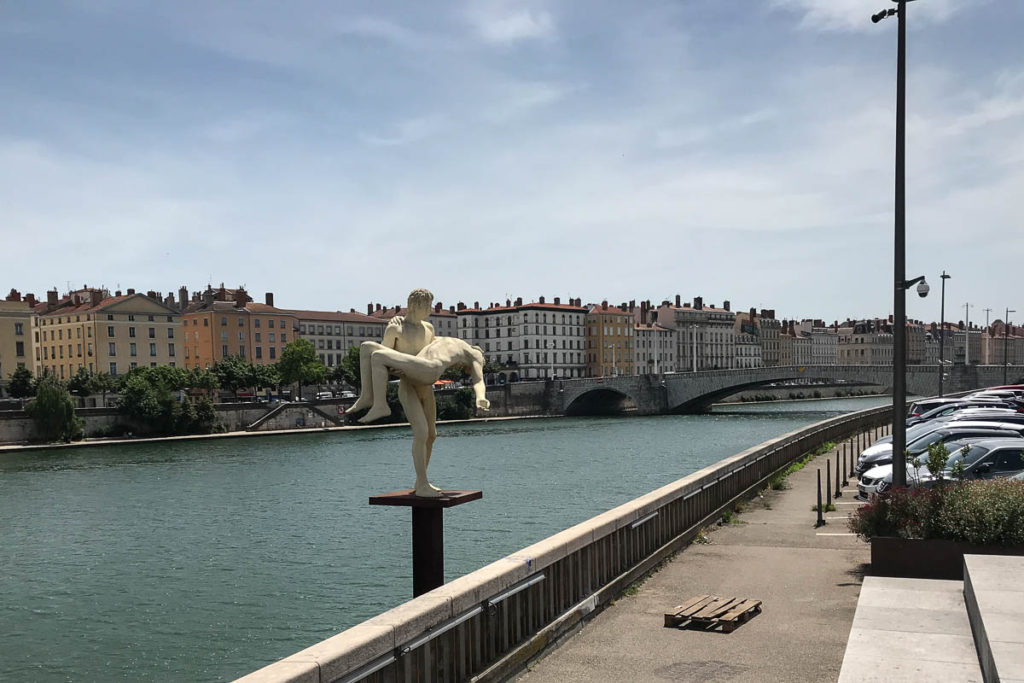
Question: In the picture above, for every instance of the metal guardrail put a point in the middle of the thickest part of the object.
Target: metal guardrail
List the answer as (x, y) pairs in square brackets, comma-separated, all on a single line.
[(487, 625)]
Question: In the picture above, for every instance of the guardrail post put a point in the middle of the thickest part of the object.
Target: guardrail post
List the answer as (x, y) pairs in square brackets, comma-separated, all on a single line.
[(821, 520), (839, 491), (828, 482)]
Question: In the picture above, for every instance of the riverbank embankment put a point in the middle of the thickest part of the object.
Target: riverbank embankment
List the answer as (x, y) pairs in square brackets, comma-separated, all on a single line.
[(807, 578)]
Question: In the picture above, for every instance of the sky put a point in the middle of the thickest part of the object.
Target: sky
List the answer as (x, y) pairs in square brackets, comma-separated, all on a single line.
[(339, 153)]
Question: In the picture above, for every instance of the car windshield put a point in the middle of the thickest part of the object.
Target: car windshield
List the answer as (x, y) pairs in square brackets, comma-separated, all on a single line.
[(968, 455)]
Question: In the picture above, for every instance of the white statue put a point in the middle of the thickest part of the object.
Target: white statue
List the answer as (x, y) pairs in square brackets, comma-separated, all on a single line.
[(410, 351)]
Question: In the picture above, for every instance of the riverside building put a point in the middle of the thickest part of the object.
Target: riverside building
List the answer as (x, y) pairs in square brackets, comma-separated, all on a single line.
[(90, 329), (534, 340), (17, 318), (219, 323), (705, 337), (610, 337), (334, 333)]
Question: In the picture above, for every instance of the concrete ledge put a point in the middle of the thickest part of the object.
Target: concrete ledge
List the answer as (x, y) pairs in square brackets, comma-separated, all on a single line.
[(910, 630), (995, 604)]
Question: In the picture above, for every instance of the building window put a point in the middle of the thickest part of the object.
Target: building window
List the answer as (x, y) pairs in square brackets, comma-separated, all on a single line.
[(206, 322), (224, 335), (113, 370), (257, 335), (241, 352), (224, 351), (256, 323), (273, 353), (241, 322), (150, 318), (133, 365), (19, 348), (110, 316), (152, 332), (282, 324), (223, 321), (112, 349), (270, 336), (259, 351), (152, 350), (19, 328), (131, 349), (284, 337), (131, 318), (270, 324), (170, 333), (131, 331), (241, 336)]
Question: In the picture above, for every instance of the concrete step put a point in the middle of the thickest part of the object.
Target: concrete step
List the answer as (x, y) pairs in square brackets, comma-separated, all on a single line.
[(994, 597), (910, 630)]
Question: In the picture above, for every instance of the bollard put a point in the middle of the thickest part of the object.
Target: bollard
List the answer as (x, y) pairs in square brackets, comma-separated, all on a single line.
[(828, 482), (853, 465), (839, 491), (821, 520)]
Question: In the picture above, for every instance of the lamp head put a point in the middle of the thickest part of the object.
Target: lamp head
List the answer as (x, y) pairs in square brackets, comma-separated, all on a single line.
[(923, 289)]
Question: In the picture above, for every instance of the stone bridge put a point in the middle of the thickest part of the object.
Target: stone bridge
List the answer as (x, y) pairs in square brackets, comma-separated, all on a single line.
[(687, 392)]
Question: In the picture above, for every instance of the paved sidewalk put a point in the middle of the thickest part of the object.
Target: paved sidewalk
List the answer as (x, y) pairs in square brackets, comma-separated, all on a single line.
[(808, 579)]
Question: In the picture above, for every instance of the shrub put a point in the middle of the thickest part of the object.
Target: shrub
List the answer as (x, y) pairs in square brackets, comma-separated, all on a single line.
[(979, 512), (53, 412)]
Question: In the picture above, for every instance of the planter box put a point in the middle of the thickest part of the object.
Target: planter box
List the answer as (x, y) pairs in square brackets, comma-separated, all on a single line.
[(927, 559)]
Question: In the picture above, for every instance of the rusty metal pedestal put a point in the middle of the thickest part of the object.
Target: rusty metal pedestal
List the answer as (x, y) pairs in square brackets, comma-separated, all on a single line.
[(427, 532)]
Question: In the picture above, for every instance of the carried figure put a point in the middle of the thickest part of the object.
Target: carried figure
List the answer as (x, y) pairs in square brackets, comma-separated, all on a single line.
[(411, 351)]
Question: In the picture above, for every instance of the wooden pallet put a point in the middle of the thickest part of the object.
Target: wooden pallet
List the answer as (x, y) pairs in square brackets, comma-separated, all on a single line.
[(711, 611)]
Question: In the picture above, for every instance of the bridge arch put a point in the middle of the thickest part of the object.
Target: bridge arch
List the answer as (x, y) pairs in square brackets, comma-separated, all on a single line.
[(602, 400)]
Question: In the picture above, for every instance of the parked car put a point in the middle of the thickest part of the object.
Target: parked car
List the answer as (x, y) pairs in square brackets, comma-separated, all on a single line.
[(878, 479), (950, 408), (981, 458), (943, 434), (348, 394), (986, 415), (323, 395)]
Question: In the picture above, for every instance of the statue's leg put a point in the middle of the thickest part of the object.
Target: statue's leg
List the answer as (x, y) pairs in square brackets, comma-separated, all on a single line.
[(430, 412), (414, 412), (367, 390), (379, 377)]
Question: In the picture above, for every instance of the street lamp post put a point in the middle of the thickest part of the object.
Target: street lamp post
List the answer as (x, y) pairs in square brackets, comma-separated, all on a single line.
[(899, 360), (1006, 340), (942, 331), (967, 334)]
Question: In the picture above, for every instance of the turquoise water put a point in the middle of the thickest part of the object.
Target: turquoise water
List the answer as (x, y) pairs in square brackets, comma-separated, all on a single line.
[(205, 560)]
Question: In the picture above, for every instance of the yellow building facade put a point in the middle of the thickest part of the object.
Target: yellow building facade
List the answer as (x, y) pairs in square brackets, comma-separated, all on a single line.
[(610, 341)]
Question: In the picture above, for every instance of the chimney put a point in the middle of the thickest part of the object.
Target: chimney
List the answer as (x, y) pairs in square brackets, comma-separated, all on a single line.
[(378, 307), (269, 299), (240, 298), (131, 291), (679, 301), (369, 309), (558, 300), (541, 300), (51, 299), (31, 299), (643, 314), (519, 301), (698, 302), (753, 312), (890, 318), (13, 296), (451, 309), (725, 305), (461, 306), (182, 297), (508, 303), (437, 307), (476, 304), (604, 305)]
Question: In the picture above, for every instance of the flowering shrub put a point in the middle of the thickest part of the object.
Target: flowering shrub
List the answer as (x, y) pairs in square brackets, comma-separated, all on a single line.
[(979, 512)]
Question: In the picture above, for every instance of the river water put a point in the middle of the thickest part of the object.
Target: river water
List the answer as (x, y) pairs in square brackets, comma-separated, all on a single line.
[(204, 560)]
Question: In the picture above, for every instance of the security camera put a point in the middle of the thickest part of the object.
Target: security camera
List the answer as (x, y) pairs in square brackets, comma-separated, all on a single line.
[(923, 289)]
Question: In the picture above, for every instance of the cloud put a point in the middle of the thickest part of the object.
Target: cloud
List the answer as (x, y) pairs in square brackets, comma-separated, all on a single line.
[(405, 132), (502, 23), (854, 15)]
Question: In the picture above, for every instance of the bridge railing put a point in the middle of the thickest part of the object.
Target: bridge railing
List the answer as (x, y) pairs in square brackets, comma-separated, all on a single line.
[(488, 624)]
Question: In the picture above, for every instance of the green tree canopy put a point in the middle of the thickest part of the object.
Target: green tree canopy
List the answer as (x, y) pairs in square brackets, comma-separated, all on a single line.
[(234, 373), (22, 384), (53, 412), (81, 384), (300, 364), (348, 370)]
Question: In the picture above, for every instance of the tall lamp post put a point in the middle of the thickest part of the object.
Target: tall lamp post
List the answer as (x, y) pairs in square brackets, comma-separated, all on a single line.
[(899, 338), (967, 334), (942, 331), (1006, 340)]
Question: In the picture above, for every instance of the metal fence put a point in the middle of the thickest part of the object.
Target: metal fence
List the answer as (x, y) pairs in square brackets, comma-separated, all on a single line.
[(487, 625)]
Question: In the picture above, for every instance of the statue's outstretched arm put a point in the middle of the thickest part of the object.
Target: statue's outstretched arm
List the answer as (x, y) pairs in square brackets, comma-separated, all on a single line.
[(476, 373)]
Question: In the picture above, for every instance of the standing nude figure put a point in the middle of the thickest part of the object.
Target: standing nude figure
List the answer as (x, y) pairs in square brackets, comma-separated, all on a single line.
[(410, 351)]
